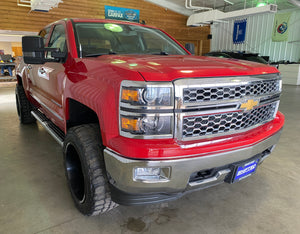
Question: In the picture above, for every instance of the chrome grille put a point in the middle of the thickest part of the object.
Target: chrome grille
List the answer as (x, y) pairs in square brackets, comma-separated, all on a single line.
[(255, 88), (195, 126)]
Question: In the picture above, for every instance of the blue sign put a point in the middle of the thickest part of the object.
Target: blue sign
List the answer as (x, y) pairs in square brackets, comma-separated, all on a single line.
[(239, 31), (119, 13), (246, 170)]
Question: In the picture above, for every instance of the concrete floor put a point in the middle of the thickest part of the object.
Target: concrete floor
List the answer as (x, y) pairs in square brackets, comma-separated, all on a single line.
[(34, 197)]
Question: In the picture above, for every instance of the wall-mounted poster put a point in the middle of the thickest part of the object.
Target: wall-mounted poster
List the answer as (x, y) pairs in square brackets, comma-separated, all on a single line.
[(281, 27), (239, 31), (120, 13)]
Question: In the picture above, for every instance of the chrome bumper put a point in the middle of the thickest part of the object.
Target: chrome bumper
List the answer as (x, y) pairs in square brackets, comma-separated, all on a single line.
[(120, 169)]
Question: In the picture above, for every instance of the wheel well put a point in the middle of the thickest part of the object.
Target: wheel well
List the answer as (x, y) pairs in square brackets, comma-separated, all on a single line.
[(19, 80), (80, 114)]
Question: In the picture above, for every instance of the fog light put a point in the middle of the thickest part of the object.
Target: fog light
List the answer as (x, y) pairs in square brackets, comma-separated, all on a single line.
[(151, 174)]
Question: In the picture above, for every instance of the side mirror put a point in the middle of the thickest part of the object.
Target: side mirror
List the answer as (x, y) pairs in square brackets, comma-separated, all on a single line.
[(190, 47), (33, 49), (57, 54)]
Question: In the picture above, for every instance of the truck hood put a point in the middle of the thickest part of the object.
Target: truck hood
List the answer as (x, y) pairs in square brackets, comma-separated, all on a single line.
[(171, 67)]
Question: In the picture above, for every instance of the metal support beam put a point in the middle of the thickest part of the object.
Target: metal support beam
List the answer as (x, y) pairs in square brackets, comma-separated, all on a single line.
[(172, 6), (214, 15)]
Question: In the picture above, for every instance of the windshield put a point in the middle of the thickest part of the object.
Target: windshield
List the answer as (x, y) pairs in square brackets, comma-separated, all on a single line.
[(95, 39), (256, 59)]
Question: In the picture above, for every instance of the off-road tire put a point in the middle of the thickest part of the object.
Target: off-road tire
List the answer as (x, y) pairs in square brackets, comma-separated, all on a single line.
[(24, 107), (85, 170)]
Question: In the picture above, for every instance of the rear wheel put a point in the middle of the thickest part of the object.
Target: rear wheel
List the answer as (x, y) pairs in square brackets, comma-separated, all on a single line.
[(85, 170), (24, 107)]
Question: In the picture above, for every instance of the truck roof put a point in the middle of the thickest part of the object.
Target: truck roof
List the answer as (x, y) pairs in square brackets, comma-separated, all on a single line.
[(90, 20)]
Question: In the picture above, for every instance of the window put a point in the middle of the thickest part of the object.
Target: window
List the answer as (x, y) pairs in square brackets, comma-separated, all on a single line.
[(45, 34), (95, 39), (57, 40)]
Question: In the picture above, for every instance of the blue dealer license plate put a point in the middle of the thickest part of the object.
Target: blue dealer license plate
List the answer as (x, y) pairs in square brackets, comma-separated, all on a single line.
[(245, 169)]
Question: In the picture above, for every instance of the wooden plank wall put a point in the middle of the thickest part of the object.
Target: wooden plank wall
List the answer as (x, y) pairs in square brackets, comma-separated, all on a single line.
[(18, 18)]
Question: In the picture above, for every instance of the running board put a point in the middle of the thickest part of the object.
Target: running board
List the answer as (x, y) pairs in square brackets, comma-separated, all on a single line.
[(51, 128)]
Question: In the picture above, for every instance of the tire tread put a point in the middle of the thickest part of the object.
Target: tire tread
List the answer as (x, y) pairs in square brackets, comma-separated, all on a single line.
[(90, 138), (25, 107)]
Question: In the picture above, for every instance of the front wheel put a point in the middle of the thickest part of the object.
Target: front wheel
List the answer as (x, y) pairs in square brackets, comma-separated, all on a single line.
[(24, 107), (85, 170)]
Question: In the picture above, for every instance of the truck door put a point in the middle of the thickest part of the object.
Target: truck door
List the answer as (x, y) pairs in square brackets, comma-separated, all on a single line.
[(30, 82), (49, 79)]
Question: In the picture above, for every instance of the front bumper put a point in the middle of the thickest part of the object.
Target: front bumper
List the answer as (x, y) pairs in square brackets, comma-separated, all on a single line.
[(126, 191)]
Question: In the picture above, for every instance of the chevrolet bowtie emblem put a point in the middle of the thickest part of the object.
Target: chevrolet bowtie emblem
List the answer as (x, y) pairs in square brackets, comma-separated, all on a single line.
[(249, 104)]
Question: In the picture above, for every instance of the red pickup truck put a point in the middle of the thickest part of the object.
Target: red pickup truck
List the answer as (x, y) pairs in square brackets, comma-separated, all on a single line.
[(140, 119)]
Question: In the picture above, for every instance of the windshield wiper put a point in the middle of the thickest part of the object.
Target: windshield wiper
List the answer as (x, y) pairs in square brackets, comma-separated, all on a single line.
[(99, 54), (161, 53)]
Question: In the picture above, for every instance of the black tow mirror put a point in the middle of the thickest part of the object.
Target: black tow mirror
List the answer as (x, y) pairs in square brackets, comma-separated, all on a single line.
[(57, 54), (33, 49), (190, 47)]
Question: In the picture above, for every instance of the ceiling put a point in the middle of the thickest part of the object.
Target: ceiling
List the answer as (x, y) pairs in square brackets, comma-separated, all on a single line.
[(225, 6)]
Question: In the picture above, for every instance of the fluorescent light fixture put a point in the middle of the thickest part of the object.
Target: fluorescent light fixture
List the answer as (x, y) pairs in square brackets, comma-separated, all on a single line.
[(261, 3), (44, 5), (231, 3)]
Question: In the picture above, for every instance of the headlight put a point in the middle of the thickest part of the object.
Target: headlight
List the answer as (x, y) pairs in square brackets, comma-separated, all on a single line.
[(146, 109), (146, 125)]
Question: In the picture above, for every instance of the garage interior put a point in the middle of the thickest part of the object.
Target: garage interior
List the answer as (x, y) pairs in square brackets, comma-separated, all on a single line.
[(34, 197)]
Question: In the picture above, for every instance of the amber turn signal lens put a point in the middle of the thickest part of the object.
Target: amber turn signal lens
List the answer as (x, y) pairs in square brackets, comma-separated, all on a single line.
[(130, 124), (130, 95)]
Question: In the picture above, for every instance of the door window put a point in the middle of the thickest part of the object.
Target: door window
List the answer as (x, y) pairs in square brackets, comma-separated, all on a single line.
[(45, 34), (58, 39)]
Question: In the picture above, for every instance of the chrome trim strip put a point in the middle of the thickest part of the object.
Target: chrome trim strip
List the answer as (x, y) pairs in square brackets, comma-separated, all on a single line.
[(48, 108), (49, 130), (153, 108), (56, 103), (220, 103)]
